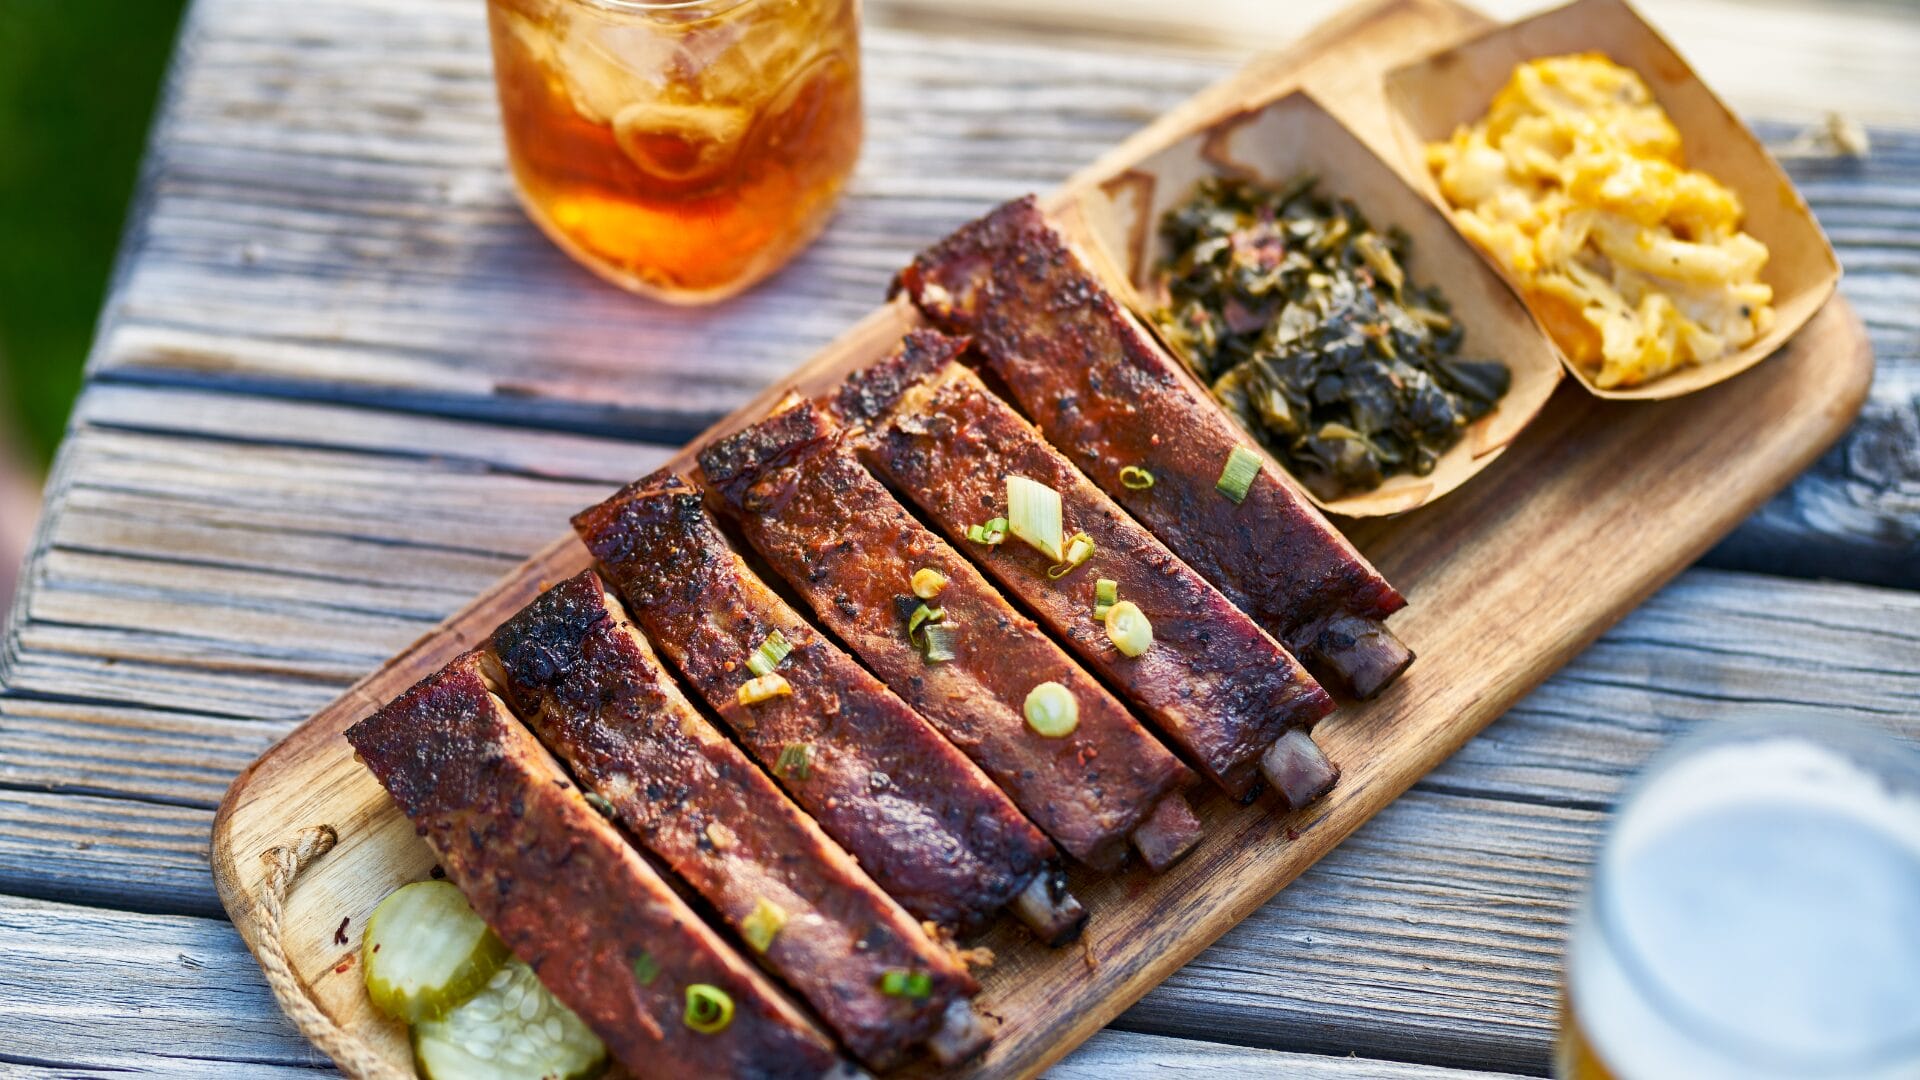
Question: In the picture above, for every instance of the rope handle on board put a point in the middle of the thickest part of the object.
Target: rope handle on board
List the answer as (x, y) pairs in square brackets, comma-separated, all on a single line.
[(352, 1054)]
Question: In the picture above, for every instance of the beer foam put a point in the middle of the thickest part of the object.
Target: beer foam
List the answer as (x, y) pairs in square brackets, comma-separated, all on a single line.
[(1782, 770), (1756, 914)]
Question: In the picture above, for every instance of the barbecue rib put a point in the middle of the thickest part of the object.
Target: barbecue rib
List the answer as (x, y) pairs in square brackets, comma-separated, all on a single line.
[(1213, 682), (1108, 395), (589, 685), (566, 892), (924, 821), (842, 541)]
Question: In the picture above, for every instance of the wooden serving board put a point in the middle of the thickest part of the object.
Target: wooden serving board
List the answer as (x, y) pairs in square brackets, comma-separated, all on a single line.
[(1593, 507)]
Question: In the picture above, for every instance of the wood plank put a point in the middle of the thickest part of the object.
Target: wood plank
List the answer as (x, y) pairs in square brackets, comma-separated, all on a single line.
[(122, 853), (60, 1017), (306, 559), (1389, 949), (1778, 59), (158, 1069), (104, 990), (1123, 1055), (153, 755)]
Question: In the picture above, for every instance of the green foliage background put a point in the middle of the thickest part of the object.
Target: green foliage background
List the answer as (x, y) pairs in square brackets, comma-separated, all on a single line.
[(78, 80)]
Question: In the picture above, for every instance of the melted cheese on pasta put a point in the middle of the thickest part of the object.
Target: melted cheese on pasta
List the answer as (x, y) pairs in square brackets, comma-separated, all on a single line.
[(1574, 180)]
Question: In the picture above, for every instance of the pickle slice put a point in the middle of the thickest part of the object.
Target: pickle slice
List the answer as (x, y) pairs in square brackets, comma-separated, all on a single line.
[(426, 951), (513, 1029)]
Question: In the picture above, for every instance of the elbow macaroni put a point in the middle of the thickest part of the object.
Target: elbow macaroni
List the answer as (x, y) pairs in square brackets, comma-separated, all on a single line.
[(1574, 181)]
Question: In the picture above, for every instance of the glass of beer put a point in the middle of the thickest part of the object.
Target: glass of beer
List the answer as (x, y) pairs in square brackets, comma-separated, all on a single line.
[(682, 149), (1755, 914)]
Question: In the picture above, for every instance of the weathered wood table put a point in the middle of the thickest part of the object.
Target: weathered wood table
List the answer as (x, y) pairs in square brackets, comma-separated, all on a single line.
[(341, 384)]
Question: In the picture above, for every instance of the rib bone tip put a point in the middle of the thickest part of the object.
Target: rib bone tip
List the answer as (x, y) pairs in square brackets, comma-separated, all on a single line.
[(1297, 769), (1170, 832), (1048, 909), (963, 1033)]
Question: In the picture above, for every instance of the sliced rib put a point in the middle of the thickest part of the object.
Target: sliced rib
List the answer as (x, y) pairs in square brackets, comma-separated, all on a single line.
[(568, 895), (1213, 681), (921, 818), (1106, 393), (590, 686), (850, 549)]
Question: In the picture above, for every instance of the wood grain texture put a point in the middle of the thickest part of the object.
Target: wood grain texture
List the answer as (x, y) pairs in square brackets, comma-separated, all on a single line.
[(67, 963), (1779, 59), (1488, 638)]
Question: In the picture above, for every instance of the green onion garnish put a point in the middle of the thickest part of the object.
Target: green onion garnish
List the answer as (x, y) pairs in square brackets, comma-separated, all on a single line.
[(1033, 515), (1079, 550), (1135, 478), (709, 1008), (645, 969), (760, 927), (927, 582), (1052, 711), (759, 689), (1128, 628), (1105, 592), (898, 982), (795, 761), (940, 638), (1237, 477), (599, 802), (921, 616), (990, 534), (773, 649)]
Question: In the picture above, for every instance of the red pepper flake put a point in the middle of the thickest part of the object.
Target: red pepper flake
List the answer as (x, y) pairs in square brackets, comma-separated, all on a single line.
[(344, 966), (340, 934)]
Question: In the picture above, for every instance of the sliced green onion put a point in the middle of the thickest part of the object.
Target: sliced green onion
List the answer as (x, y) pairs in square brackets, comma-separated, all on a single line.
[(1128, 628), (899, 982), (921, 616), (598, 802), (709, 1008), (795, 761), (760, 927), (927, 582), (1135, 478), (759, 689), (1033, 514), (1105, 592), (940, 638), (1236, 479), (1052, 711), (645, 969), (990, 534), (773, 649), (1079, 550)]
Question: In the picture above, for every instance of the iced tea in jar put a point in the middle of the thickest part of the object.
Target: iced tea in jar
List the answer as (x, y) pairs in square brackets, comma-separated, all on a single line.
[(682, 149)]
